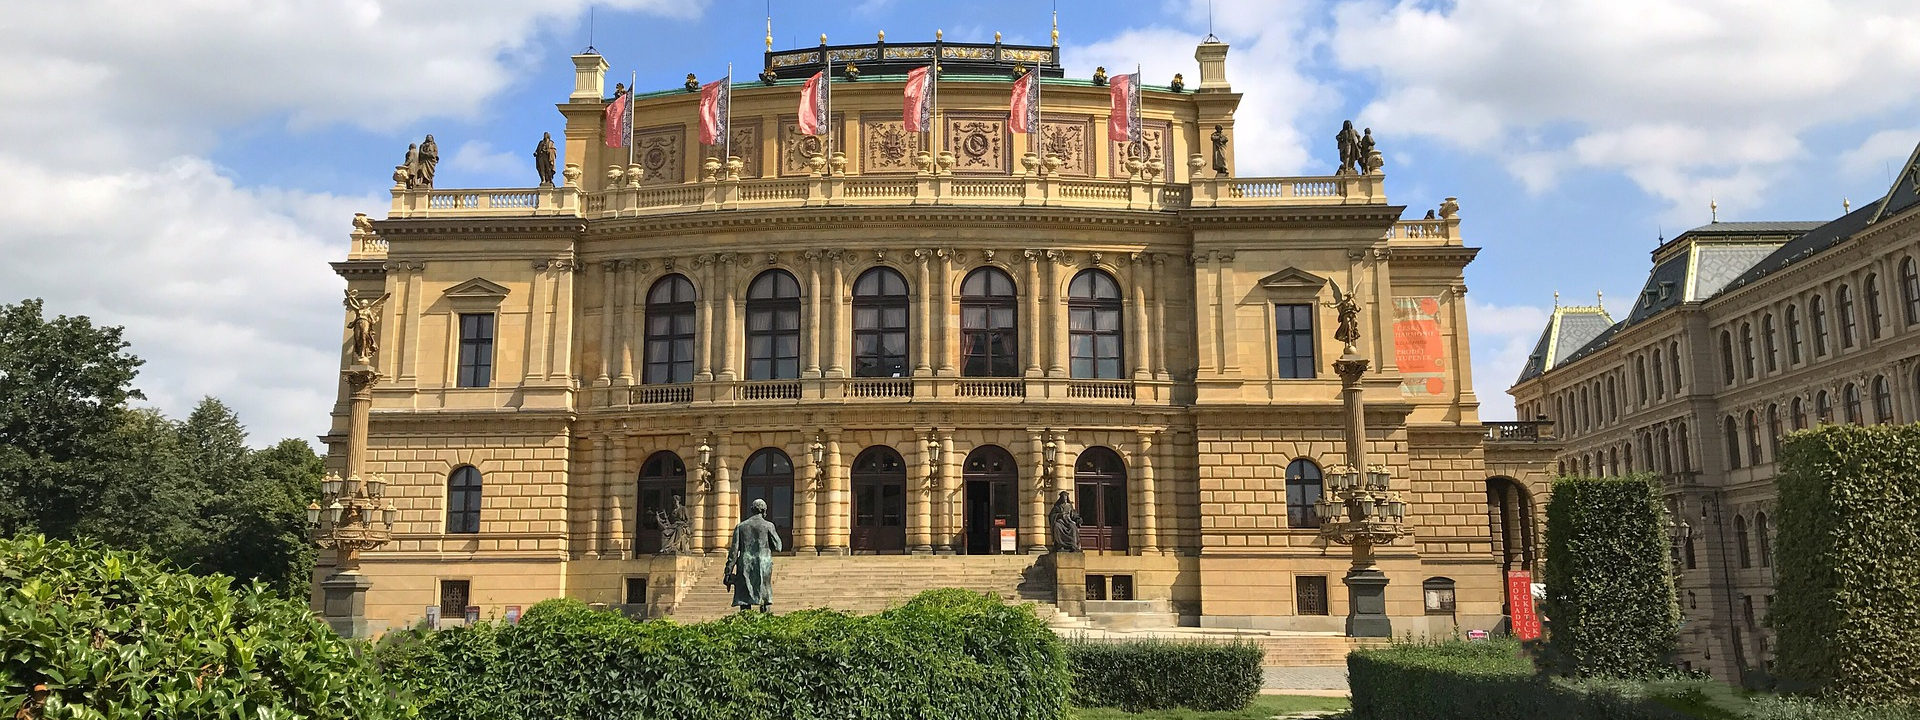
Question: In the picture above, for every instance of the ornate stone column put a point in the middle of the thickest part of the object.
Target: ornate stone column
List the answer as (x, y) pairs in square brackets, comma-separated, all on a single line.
[(615, 497), (607, 293), (726, 495), (1139, 277), (628, 271), (539, 308), (704, 274), (839, 342), (838, 512), (409, 343), (1149, 523), (806, 496), (561, 349), (1157, 331), (1229, 311), (1056, 317), (949, 525), (1030, 325), (699, 498), (814, 345), (920, 483), (1033, 494), (1207, 308), (922, 311), (943, 312), (724, 340)]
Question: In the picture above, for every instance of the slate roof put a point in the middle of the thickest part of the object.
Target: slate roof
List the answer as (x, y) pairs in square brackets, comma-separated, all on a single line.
[(1568, 329)]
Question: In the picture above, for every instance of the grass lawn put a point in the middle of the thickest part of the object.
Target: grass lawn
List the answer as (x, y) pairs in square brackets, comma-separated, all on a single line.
[(1262, 708)]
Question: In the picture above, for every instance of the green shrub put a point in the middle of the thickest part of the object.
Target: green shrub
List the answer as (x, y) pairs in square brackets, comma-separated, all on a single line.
[(947, 654), (1610, 602), (1157, 674), (113, 635), (1484, 680), (1847, 560)]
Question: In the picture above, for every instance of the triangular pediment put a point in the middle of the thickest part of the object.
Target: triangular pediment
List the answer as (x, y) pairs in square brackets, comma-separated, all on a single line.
[(1905, 191), (1293, 279), (477, 289)]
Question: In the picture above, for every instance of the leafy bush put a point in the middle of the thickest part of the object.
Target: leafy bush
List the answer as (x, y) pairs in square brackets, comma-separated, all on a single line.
[(947, 654), (1847, 560), (113, 635), (1157, 674), (1485, 680), (1610, 601)]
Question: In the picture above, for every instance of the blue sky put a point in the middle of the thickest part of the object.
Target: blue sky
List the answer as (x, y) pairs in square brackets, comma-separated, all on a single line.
[(186, 169)]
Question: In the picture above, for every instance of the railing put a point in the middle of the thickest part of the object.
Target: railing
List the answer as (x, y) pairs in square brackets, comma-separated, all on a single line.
[(880, 388), (659, 394), (767, 390), (1100, 389), (1436, 229), (991, 388), (1519, 430)]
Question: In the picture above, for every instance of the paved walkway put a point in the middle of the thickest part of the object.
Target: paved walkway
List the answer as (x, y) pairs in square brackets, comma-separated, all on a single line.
[(1307, 680)]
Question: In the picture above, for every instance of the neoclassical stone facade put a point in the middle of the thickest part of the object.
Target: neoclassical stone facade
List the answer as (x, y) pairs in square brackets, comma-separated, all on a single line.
[(1744, 332), (911, 351)]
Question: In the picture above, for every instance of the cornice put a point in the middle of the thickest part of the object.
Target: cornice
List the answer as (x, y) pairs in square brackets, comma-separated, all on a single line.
[(1382, 215), (1452, 255), (554, 226), (351, 269), (840, 216)]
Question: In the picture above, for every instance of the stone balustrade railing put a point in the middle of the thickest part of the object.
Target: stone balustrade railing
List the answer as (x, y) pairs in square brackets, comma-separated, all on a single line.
[(913, 389), (1521, 430)]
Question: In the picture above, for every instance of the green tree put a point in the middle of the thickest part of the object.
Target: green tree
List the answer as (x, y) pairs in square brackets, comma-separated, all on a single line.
[(1610, 599)]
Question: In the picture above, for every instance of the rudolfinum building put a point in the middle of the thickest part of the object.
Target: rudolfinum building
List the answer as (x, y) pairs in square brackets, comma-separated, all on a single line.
[(910, 344)]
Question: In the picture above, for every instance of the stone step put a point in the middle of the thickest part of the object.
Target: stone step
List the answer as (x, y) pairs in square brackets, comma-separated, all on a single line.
[(873, 583)]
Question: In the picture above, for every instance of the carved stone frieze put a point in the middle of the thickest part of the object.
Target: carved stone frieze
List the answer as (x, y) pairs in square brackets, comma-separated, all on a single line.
[(885, 145), (658, 151), (1156, 143), (796, 148), (746, 146), (978, 143), (1071, 140)]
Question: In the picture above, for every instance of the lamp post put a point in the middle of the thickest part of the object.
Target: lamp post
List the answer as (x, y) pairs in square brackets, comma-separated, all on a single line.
[(356, 516), (1360, 510)]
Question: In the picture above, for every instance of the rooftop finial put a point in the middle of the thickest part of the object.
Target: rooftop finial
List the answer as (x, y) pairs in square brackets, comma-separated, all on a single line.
[(938, 34), (1056, 27), (769, 25), (1556, 299), (883, 36), (1599, 298), (823, 38), (996, 36), (1846, 206), (1713, 207)]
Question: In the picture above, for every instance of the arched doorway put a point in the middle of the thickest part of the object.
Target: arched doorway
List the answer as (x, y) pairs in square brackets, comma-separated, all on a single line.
[(1100, 492), (768, 475), (992, 500), (1510, 510), (879, 501), (663, 477)]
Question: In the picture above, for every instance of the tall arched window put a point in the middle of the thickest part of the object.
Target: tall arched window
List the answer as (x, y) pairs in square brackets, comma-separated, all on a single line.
[(1843, 304), (1817, 314), (663, 484), (1613, 401), (1659, 378), (1769, 345), (1640, 377), (1746, 349), (1100, 487), (1882, 400), (1872, 284), (1798, 411), (1740, 541), (768, 475), (1303, 494), (670, 331), (773, 327), (463, 500), (1910, 289), (880, 308), (1726, 357), (1684, 447), (1773, 430), (1733, 442), (1753, 439), (1822, 408), (1763, 533), (1793, 335), (1673, 361), (989, 327), (1662, 458), (1850, 399), (1093, 325)]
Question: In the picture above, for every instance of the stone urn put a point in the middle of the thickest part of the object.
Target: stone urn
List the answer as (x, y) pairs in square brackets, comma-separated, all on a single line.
[(839, 163), (924, 161), (614, 173), (635, 174), (734, 165), (710, 169), (571, 173), (817, 164), (1133, 167), (1054, 163), (1031, 162), (1196, 164), (944, 162)]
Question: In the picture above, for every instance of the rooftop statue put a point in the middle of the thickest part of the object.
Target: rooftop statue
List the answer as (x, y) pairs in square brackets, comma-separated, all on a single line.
[(1348, 311), (749, 570), (424, 163), (1369, 157), (544, 155), (1065, 520), (365, 325), (1220, 151), (1349, 143)]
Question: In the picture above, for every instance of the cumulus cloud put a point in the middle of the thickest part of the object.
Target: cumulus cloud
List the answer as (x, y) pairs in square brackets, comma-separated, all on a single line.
[(1881, 154), (1687, 97), (1502, 336)]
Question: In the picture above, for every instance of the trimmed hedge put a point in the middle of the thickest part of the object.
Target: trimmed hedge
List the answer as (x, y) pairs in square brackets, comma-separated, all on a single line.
[(1610, 601), (1486, 680), (945, 655), (1158, 674), (114, 635), (1847, 562)]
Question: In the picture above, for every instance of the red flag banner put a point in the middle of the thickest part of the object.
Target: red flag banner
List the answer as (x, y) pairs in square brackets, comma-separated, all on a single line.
[(715, 97), (1024, 109), (813, 105), (619, 120), (1123, 115), (918, 109), (1520, 611)]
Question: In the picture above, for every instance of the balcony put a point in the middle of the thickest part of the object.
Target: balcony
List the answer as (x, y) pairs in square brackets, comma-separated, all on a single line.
[(750, 393), (1519, 430)]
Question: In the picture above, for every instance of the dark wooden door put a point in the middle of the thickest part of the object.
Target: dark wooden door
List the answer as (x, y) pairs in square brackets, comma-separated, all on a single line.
[(1100, 485), (879, 502), (992, 503), (768, 476)]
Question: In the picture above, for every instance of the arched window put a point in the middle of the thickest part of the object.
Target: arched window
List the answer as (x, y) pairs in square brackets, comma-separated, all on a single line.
[(1773, 430), (1746, 349), (670, 331), (663, 486), (879, 501), (1726, 357), (1662, 459), (1769, 345), (1659, 378), (1586, 410), (1850, 399), (880, 309), (1817, 314), (1793, 335), (1764, 534), (463, 500), (768, 475), (1843, 304), (1613, 461), (1673, 360), (1640, 377), (1613, 401), (1753, 439), (773, 327), (1740, 541), (1798, 411), (1685, 449), (1882, 400), (1439, 595), (1822, 408), (1910, 289), (1100, 487), (1733, 442), (1303, 494), (1872, 284), (989, 327), (1093, 325)]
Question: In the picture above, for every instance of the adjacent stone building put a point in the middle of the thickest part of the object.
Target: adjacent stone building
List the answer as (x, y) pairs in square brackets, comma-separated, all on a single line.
[(1744, 331), (910, 344)]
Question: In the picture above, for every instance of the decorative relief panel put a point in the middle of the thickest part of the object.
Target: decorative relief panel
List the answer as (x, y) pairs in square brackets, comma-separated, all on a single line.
[(658, 150), (978, 143), (885, 144), (1156, 143), (795, 147), (1071, 138), (909, 53), (846, 55), (1032, 56), (791, 59), (966, 53), (746, 146)]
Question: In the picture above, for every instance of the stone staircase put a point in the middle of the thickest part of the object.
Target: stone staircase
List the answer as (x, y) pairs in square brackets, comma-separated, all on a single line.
[(865, 584)]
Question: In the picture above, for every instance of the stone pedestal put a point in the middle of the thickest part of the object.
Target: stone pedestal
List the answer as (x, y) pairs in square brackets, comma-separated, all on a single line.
[(1367, 604), (1070, 582), (344, 604)]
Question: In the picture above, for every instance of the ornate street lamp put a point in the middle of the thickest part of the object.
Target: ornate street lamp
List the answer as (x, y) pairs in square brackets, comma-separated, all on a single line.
[(355, 518), (1360, 509), (818, 451), (934, 455)]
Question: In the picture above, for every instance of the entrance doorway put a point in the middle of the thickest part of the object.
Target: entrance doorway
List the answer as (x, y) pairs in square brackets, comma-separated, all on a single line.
[(1100, 485), (768, 475), (879, 502), (992, 501)]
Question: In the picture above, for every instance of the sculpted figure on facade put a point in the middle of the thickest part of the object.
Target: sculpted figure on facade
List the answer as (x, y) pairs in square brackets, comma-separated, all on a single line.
[(1370, 160), (1220, 150), (1065, 521), (1348, 311), (1349, 143), (749, 571), (365, 325), (407, 167), (544, 156), (424, 163)]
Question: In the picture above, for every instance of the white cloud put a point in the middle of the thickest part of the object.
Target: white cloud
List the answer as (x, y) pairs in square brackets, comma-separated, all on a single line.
[(1879, 155), (1502, 336), (478, 157), (1687, 97)]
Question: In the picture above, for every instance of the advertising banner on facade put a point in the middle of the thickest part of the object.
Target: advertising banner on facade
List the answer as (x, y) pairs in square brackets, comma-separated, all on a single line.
[(1418, 347), (1526, 624)]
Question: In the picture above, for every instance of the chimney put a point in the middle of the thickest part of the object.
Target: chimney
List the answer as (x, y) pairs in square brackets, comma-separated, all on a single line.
[(1212, 55), (589, 78)]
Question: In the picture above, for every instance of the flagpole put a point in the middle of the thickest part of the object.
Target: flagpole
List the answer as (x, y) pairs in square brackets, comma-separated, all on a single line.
[(727, 129), (629, 138), (826, 93)]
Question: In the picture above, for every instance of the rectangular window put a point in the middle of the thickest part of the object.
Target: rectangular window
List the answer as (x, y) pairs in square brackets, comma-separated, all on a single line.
[(636, 591), (1309, 594), (476, 350), (1293, 340), (1096, 587), (1439, 598), (453, 598), (1123, 587)]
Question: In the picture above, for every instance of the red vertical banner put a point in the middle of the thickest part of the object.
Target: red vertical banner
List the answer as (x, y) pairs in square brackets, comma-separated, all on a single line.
[(1526, 623)]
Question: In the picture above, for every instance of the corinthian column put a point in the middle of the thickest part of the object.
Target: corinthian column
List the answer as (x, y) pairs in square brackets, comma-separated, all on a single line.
[(1030, 326), (922, 315)]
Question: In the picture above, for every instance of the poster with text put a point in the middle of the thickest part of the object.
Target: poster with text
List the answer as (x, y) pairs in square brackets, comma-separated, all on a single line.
[(1419, 348)]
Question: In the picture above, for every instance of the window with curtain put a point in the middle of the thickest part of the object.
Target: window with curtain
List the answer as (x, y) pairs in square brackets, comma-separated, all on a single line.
[(1741, 546), (1726, 357), (476, 350), (1093, 326), (1773, 430), (670, 331), (1823, 407), (880, 309), (463, 500), (1685, 449), (1798, 411), (1882, 400), (773, 327), (1850, 400), (1659, 378), (1673, 360), (1763, 533), (1303, 491), (989, 328), (1293, 339), (1754, 456), (1640, 377), (1746, 349)]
